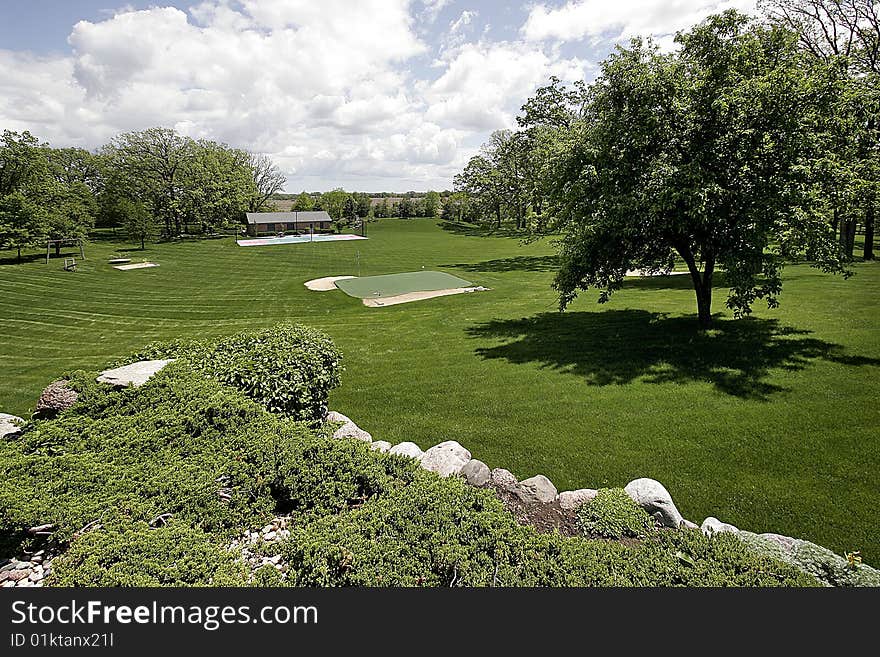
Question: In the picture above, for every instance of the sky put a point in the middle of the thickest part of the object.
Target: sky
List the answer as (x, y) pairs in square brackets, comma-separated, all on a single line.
[(368, 95)]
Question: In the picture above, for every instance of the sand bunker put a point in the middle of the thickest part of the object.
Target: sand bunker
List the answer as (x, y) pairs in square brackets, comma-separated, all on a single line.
[(325, 284), (137, 265), (419, 296)]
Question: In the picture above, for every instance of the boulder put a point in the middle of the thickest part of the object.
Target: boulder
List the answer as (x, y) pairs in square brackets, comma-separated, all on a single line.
[(712, 525), (503, 478), (447, 458), (58, 396), (787, 543), (351, 430), (10, 425), (476, 473), (136, 374), (653, 497), (687, 524), (536, 489), (333, 416), (571, 500), (381, 445), (408, 449)]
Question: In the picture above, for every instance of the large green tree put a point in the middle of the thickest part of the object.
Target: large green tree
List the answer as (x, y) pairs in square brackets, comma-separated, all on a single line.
[(24, 179), (150, 166), (693, 155), (844, 36)]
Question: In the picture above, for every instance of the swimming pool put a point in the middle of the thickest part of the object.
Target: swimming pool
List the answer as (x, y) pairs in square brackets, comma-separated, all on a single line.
[(297, 239)]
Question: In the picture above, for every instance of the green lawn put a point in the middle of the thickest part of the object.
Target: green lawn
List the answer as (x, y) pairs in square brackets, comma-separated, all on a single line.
[(769, 423)]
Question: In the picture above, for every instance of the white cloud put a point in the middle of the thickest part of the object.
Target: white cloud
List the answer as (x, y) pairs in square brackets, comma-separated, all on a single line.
[(361, 94), (484, 84), (578, 19), (462, 21)]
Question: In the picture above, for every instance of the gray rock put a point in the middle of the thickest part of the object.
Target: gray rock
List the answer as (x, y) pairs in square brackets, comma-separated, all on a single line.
[(381, 445), (503, 478), (56, 397), (476, 473), (351, 430), (687, 524), (653, 497), (10, 425), (136, 374), (571, 500), (536, 489), (447, 458), (787, 543), (408, 449), (333, 416), (712, 525)]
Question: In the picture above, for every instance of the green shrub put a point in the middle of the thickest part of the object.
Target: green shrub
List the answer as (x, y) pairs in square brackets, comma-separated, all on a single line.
[(288, 369), (173, 555), (441, 532), (612, 514)]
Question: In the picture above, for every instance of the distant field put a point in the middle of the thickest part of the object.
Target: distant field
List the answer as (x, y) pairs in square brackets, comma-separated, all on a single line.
[(769, 423)]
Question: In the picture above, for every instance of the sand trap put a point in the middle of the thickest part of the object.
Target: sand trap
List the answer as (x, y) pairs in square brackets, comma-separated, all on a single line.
[(646, 274), (137, 265), (419, 296), (325, 284)]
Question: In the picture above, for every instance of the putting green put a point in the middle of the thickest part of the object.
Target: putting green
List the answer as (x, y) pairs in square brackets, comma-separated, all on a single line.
[(392, 285)]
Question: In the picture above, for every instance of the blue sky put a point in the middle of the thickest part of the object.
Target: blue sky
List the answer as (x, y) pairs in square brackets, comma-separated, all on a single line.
[(364, 94)]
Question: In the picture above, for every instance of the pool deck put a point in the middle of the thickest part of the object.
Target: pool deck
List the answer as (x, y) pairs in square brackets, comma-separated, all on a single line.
[(298, 239)]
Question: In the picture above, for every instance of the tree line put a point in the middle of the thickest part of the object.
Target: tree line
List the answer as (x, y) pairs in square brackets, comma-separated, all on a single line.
[(755, 141), (152, 182)]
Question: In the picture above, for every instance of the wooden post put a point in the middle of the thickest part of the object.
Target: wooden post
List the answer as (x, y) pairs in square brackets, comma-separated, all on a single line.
[(82, 251), (48, 246)]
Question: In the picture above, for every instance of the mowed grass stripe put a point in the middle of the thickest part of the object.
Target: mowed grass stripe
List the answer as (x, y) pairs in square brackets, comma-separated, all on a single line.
[(771, 424)]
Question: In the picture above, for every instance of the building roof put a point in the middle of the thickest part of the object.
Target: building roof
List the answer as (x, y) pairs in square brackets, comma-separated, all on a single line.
[(287, 217)]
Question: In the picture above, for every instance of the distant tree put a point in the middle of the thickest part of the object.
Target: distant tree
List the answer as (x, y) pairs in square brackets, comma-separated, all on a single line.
[(405, 208), (137, 221), (151, 166), (694, 154), (23, 165), (349, 214), (76, 165), (22, 222), (267, 178), (432, 204), (364, 204), (70, 212), (843, 35), (382, 209), (303, 202), (218, 186), (334, 202)]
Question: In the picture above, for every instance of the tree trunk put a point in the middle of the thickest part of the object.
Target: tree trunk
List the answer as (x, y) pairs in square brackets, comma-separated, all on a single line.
[(848, 236), (702, 285), (868, 251), (57, 249), (19, 253), (498, 213), (143, 246)]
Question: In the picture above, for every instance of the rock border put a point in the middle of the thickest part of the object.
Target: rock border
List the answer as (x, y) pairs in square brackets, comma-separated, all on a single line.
[(449, 458)]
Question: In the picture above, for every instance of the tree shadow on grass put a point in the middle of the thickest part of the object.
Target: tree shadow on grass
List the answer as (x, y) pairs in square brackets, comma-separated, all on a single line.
[(516, 263), (481, 230), (620, 346), (673, 282), (11, 258)]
